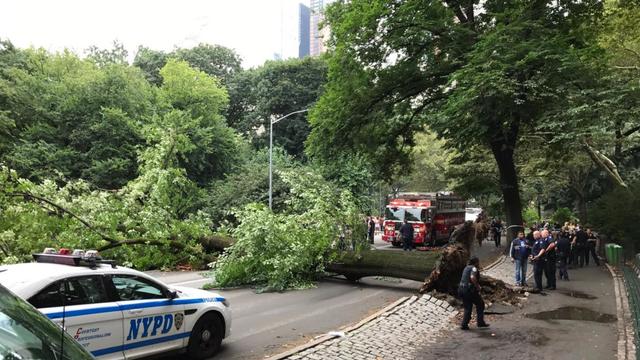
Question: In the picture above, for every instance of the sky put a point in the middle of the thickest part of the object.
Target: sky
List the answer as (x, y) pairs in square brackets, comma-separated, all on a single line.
[(255, 29)]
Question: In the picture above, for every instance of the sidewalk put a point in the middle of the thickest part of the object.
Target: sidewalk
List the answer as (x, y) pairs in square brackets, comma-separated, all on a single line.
[(577, 321)]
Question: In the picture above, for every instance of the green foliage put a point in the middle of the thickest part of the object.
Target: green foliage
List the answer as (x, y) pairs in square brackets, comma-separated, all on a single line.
[(273, 90), (215, 60), (247, 184), (530, 215), (431, 161), (143, 234), (277, 251), (67, 115), (209, 146), (562, 215), (616, 214)]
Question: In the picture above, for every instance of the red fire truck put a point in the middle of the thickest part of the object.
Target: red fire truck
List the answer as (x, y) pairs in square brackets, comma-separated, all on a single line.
[(433, 216)]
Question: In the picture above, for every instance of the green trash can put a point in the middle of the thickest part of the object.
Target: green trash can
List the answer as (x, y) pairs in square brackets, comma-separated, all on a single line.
[(616, 255), (619, 255), (608, 253)]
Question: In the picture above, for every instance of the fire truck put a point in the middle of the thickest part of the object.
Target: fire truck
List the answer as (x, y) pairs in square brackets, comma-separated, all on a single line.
[(433, 216)]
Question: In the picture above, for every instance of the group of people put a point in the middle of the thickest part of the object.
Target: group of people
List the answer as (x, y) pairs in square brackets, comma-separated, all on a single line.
[(375, 224), (551, 252), (548, 251)]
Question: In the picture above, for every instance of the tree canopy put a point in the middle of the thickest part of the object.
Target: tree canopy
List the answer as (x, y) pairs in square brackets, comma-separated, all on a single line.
[(477, 75)]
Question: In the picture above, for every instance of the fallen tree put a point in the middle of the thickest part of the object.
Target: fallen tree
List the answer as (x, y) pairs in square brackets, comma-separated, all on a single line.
[(406, 265), (442, 268), (413, 265)]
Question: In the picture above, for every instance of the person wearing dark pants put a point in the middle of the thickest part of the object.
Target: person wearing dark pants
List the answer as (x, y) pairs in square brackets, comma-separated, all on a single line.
[(406, 233), (592, 242), (538, 258), (580, 241), (550, 266), (563, 249), (469, 291)]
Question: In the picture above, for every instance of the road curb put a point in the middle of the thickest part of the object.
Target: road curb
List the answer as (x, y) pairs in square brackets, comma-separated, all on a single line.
[(497, 262), (626, 345), (389, 309)]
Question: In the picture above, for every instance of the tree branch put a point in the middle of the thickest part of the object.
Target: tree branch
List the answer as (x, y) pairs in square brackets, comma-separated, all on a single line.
[(36, 198), (604, 163), (173, 244), (631, 131)]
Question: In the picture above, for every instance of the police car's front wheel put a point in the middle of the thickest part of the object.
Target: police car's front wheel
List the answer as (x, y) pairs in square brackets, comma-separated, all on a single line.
[(206, 337)]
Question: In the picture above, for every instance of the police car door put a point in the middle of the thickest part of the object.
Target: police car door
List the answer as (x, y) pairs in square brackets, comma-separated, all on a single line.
[(88, 312), (153, 322)]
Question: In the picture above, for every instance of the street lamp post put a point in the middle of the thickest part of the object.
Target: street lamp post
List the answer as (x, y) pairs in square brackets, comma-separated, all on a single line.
[(271, 122)]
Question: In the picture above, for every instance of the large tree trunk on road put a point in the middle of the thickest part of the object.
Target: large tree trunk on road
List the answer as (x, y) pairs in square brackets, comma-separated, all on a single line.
[(503, 154), (413, 265)]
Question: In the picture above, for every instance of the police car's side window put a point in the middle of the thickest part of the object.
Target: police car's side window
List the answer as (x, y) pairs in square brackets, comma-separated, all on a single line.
[(136, 288), (78, 291), (86, 290), (49, 297)]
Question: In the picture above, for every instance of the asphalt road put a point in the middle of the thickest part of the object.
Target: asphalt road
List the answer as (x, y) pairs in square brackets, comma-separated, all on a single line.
[(269, 323)]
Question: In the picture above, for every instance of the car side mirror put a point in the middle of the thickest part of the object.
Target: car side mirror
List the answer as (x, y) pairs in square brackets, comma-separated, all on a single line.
[(173, 294)]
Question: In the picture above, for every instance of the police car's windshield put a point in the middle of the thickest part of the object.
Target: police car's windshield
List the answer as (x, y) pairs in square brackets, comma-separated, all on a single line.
[(27, 334)]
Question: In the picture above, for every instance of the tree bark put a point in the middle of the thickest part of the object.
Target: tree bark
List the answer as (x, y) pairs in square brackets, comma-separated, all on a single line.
[(399, 264), (582, 208), (503, 154)]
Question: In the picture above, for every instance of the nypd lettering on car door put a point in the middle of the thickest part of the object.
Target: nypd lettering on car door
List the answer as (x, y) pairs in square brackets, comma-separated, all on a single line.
[(151, 326)]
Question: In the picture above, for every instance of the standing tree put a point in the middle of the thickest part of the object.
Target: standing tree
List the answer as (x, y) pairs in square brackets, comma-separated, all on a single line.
[(214, 60), (273, 90), (476, 74)]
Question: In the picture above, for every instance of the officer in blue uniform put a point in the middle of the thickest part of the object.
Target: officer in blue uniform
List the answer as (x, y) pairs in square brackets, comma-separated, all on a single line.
[(538, 256), (469, 291)]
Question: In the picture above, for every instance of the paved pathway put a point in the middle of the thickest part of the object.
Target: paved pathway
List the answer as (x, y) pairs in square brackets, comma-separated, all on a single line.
[(505, 270), (395, 335)]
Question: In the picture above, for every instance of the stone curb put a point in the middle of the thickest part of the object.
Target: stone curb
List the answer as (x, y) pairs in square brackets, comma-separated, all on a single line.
[(626, 345), (389, 309), (497, 262)]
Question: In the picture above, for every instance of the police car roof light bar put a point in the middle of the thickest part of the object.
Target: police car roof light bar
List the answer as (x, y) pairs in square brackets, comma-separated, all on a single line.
[(72, 260)]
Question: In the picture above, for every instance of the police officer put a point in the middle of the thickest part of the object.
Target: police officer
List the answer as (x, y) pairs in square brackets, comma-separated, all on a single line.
[(563, 249), (469, 291), (580, 243), (592, 242), (550, 265), (538, 258)]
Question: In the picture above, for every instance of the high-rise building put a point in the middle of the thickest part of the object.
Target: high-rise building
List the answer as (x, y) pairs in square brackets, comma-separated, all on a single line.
[(317, 35), (304, 29)]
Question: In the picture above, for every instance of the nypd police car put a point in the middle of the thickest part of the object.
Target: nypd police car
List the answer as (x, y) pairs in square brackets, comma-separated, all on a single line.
[(116, 312)]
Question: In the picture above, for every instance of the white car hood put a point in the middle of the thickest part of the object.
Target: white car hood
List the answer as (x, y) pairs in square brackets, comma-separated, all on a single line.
[(184, 291)]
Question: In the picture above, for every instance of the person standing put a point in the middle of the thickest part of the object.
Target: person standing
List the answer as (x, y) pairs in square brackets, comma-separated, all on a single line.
[(538, 259), (563, 249), (550, 265), (469, 291), (519, 255), (496, 230), (580, 242), (406, 232), (371, 229), (592, 244)]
